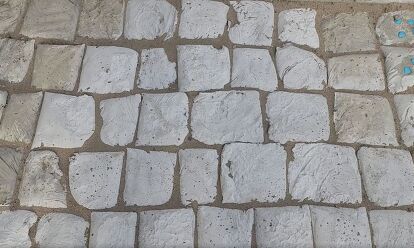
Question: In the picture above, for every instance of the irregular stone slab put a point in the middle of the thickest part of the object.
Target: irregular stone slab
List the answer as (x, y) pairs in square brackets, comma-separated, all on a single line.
[(102, 19), (283, 227), (94, 178), (57, 67), (11, 12), (255, 23), (202, 67), (348, 32), (15, 58), (298, 26), (364, 119), (149, 177), (227, 116), (324, 173), (150, 19), (3, 101), (156, 70), (300, 69), (340, 227), (112, 229), (220, 227), (15, 228), (120, 118), (41, 183), (167, 228), (202, 19), (253, 68), (10, 164), (19, 118), (396, 59), (65, 121), (356, 72), (51, 19), (253, 172), (108, 69), (396, 27), (405, 111), (198, 175)]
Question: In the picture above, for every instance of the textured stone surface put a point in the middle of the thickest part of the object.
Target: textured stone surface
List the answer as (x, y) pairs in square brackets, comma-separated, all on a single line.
[(405, 111), (3, 101), (11, 11), (15, 225), (156, 70), (395, 59), (387, 29), (10, 164), (15, 58)]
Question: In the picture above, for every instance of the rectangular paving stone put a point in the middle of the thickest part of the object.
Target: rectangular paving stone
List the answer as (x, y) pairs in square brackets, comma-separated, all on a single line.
[(405, 111), (16, 225), (10, 165), (396, 27), (11, 12), (397, 60), (15, 59)]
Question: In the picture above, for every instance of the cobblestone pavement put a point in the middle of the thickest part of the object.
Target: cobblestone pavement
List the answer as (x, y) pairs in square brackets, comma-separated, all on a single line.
[(201, 123)]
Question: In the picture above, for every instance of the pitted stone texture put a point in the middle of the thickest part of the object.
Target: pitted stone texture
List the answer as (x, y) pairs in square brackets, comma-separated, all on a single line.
[(163, 119), (364, 119), (15, 58), (300, 69), (156, 70), (51, 19), (150, 19), (19, 118), (356, 72), (340, 227), (41, 183), (108, 69), (405, 111), (227, 116), (348, 32), (149, 177), (102, 19), (202, 67), (167, 228), (395, 59), (65, 121), (201, 19), (120, 118), (3, 101), (324, 173), (94, 178), (387, 30), (253, 172), (112, 229), (298, 26), (220, 227), (15, 225), (255, 23), (57, 67), (283, 227), (10, 164), (253, 68), (11, 12), (198, 175), (61, 230)]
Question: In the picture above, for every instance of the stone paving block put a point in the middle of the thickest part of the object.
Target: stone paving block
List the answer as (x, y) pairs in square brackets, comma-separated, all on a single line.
[(220, 227), (65, 121), (405, 110), (3, 101), (253, 172), (300, 69), (150, 19), (283, 227), (173, 228), (11, 12), (388, 176), (163, 119), (15, 59), (41, 183), (396, 27), (57, 67), (51, 19), (19, 117), (348, 32), (15, 225), (10, 164), (108, 69), (254, 23), (149, 177), (112, 229), (202, 67), (61, 230), (94, 178), (156, 70), (356, 72), (297, 117), (120, 118), (399, 67), (324, 173), (253, 68), (340, 227), (298, 26), (102, 19), (227, 116), (198, 175)]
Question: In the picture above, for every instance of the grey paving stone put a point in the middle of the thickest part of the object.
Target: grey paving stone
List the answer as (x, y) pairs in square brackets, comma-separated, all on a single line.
[(10, 164), (405, 110), (15, 59), (396, 59), (15, 228), (394, 27), (3, 101), (11, 12)]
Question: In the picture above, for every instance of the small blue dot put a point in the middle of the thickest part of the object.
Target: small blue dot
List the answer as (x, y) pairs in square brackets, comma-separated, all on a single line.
[(401, 34), (407, 70), (410, 21), (398, 21)]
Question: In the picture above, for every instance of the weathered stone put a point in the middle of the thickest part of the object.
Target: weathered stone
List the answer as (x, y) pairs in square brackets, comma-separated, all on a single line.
[(11, 12), (15, 58), (10, 164), (15, 228), (3, 101), (396, 59), (390, 25), (405, 111)]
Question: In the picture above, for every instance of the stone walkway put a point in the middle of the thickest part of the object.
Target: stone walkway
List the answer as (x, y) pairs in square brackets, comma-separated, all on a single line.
[(202, 123)]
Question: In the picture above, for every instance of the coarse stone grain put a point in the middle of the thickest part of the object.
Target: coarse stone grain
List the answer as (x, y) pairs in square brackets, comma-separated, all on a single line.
[(14, 228), (15, 59), (11, 12), (10, 165), (396, 58), (405, 111)]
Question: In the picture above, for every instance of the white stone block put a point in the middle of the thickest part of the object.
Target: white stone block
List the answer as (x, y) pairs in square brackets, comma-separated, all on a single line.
[(396, 59), (405, 112), (10, 165), (156, 70), (15, 228), (395, 27), (15, 59), (11, 12)]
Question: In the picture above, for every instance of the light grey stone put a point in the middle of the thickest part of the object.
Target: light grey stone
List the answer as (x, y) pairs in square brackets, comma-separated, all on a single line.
[(10, 164), (156, 70), (396, 58), (405, 112), (15, 228), (3, 101), (15, 59), (388, 29), (11, 12)]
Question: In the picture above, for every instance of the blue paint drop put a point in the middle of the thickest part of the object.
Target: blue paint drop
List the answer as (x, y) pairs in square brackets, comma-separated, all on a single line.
[(410, 21), (397, 20), (401, 34), (407, 70)]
